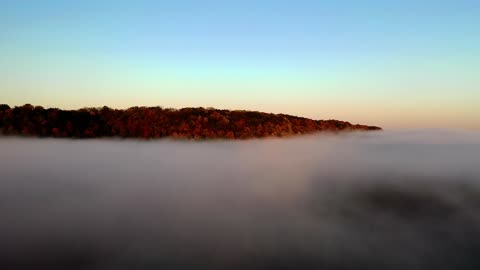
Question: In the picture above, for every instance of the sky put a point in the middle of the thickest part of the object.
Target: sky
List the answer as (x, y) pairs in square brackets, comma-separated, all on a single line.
[(396, 64)]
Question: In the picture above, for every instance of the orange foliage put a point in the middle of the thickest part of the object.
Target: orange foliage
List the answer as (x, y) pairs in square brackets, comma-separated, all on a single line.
[(157, 122)]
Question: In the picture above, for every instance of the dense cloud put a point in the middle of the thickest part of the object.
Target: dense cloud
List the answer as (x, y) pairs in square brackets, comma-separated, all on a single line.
[(389, 200)]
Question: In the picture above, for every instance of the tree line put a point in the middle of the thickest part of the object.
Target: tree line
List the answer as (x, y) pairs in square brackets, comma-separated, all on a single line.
[(158, 122)]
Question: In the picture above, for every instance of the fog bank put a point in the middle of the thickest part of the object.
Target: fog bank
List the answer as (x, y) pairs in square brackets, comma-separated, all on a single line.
[(387, 200)]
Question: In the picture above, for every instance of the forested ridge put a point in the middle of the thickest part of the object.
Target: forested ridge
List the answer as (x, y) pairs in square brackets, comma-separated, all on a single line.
[(158, 122)]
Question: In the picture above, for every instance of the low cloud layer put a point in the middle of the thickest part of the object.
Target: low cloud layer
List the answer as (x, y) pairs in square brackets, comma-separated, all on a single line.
[(389, 200)]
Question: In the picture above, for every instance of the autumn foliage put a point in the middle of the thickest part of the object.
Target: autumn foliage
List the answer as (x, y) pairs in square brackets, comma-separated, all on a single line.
[(157, 122)]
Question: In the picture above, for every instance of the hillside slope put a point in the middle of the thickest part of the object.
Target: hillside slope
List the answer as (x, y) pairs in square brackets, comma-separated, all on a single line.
[(157, 122)]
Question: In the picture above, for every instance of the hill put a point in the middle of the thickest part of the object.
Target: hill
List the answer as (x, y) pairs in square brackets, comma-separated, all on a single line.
[(157, 122)]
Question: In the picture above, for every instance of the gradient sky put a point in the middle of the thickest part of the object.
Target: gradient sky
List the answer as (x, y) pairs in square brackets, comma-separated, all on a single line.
[(396, 64)]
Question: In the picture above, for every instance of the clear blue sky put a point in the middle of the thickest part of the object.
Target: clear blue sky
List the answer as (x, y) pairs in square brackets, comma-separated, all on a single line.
[(397, 64)]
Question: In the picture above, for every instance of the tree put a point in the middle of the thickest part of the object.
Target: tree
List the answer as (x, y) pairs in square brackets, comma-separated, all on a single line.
[(4, 107)]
